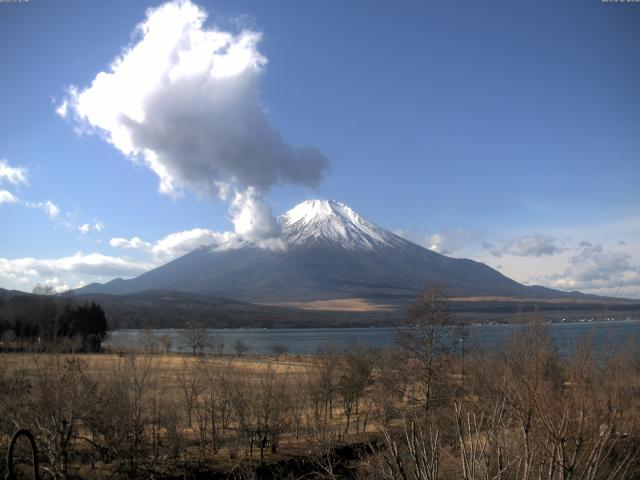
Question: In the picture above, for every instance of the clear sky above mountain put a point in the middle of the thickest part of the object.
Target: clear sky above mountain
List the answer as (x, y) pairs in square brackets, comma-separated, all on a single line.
[(502, 131)]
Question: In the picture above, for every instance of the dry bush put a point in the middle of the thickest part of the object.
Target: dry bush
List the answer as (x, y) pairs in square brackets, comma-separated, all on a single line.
[(261, 410)]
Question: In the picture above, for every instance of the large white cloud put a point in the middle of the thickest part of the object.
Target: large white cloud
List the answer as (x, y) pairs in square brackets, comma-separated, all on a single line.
[(75, 268), (174, 244), (252, 227), (184, 99)]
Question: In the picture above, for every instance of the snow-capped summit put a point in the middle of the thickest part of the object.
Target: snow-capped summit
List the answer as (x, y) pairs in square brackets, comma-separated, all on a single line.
[(327, 221)]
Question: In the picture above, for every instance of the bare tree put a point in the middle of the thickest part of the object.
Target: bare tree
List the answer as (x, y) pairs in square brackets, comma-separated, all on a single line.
[(353, 379), (411, 453), (279, 349), (391, 383), (424, 339), (149, 341), (325, 383), (61, 395), (190, 384), (196, 338), (166, 342), (217, 344), (240, 347), (213, 401)]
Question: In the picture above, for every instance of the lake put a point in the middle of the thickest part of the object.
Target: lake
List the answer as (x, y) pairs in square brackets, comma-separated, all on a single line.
[(603, 334)]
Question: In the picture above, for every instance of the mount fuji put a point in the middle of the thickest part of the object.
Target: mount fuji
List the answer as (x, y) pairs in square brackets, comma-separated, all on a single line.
[(326, 252)]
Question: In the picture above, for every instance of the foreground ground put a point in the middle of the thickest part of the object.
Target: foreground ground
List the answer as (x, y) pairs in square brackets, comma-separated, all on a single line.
[(412, 412)]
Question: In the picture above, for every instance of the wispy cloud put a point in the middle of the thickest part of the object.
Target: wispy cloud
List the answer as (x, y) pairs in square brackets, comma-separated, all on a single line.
[(174, 244), (598, 258), (597, 268), (94, 226), (446, 243), (50, 208), (534, 245), (16, 176), (12, 175)]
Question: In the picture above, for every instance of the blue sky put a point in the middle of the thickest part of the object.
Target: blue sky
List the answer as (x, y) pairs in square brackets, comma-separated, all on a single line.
[(507, 132)]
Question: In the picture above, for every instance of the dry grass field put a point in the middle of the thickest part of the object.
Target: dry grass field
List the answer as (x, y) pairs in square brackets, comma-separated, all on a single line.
[(411, 413), (231, 411), (97, 365), (340, 305)]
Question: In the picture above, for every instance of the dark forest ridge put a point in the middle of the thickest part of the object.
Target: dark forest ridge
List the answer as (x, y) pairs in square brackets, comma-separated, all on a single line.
[(174, 309)]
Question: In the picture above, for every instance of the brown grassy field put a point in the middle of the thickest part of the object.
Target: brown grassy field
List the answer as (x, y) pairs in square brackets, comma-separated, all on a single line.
[(340, 305), (415, 412), (179, 383), (98, 364)]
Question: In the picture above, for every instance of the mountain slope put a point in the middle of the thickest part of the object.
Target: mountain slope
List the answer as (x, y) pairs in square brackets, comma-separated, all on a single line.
[(331, 252), (170, 309)]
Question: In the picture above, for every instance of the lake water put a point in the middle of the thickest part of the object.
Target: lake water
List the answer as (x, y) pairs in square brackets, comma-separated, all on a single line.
[(566, 336)]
